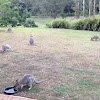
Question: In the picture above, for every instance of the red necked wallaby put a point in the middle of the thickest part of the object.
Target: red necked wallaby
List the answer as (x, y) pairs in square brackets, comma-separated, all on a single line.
[(31, 40), (9, 30), (28, 79), (5, 48), (95, 38), (2, 30)]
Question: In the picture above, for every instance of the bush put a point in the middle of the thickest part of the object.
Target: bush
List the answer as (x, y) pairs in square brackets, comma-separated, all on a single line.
[(61, 23), (30, 23), (91, 24), (79, 25), (49, 25), (13, 22)]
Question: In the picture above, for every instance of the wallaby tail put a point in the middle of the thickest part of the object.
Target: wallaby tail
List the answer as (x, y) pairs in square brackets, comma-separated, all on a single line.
[(37, 82), (10, 47)]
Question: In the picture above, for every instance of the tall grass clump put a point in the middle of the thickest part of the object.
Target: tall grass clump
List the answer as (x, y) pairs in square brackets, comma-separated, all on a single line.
[(60, 23)]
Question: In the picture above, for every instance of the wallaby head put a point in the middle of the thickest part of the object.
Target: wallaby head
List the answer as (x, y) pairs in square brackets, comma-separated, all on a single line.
[(91, 39), (17, 84)]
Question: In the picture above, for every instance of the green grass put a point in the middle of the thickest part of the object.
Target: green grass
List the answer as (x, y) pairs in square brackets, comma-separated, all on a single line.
[(3, 64), (67, 73), (86, 83), (35, 89), (41, 22), (61, 89), (6, 85)]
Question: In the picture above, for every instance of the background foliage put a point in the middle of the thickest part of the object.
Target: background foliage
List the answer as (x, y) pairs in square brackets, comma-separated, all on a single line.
[(15, 12)]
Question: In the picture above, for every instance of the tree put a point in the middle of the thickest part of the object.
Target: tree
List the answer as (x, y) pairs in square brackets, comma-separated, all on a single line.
[(77, 3), (83, 7), (5, 12), (99, 7), (68, 9), (94, 8), (90, 4)]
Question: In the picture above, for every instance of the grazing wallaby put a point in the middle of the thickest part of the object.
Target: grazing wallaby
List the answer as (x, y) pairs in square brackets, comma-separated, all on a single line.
[(5, 48), (9, 30), (95, 38), (28, 79), (2, 30), (31, 41)]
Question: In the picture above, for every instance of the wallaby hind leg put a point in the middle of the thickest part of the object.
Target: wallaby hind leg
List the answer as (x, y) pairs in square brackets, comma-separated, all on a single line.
[(30, 83)]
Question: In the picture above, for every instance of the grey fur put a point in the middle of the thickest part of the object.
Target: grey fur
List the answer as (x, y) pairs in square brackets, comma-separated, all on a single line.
[(28, 79), (5, 48), (31, 41), (95, 38)]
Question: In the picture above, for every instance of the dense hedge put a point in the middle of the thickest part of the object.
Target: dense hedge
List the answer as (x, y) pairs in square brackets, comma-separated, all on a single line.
[(91, 24), (60, 23)]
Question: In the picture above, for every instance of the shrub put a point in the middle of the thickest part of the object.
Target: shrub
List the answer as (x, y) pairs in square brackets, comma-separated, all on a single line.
[(49, 25), (60, 23), (30, 23), (91, 24), (79, 25)]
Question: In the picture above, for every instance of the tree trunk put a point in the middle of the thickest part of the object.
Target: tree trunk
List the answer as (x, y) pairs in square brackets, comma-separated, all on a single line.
[(90, 7), (94, 9), (83, 7), (99, 7), (78, 9)]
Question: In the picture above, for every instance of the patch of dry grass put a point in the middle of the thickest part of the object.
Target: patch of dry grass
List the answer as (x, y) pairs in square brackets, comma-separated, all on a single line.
[(67, 57)]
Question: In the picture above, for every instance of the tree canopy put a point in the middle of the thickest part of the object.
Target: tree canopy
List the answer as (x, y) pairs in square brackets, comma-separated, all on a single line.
[(17, 11)]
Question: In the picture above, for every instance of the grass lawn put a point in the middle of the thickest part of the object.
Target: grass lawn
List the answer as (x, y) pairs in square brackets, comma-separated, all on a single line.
[(67, 57)]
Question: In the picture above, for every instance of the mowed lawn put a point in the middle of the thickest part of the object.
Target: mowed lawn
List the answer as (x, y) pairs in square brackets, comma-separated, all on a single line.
[(67, 58)]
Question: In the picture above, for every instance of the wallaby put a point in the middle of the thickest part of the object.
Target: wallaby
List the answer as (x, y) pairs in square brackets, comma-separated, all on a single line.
[(9, 30), (95, 38), (28, 79), (2, 30), (5, 48), (31, 41)]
